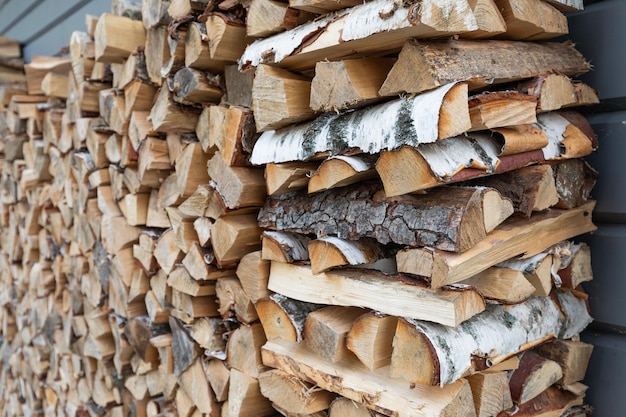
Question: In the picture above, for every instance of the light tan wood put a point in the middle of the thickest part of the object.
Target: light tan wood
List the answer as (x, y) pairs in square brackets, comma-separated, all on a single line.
[(244, 349), (473, 62), (284, 247), (329, 252), (532, 20), (358, 382), (348, 84), (233, 237), (370, 28), (208, 333), (492, 110), (370, 339), (233, 301), (157, 52), (219, 378), (226, 37), (280, 98), (55, 85), (573, 357), (239, 135), (180, 280), (116, 37), (291, 394), (154, 13), (182, 9), (502, 284), (194, 383), (188, 177), (192, 87), (266, 17), (491, 393), (283, 317), (515, 237), (374, 290), (344, 407), (197, 54), (40, 67), (576, 268), (290, 176), (245, 398), (341, 171), (167, 116), (239, 186), (253, 273), (166, 252)]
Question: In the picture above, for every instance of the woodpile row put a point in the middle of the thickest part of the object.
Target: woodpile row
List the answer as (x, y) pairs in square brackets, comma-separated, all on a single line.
[(314, 208)]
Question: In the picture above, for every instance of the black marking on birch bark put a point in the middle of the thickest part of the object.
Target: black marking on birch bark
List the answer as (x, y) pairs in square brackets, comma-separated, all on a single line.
[(405, 132), (490, 163)]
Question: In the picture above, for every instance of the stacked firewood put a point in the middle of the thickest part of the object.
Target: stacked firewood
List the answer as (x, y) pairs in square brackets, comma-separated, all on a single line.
[(147, 272)]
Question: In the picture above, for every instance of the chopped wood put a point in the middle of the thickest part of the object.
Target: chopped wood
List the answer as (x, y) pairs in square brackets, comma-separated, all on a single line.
[(197, 54), (219, 378), (239, 186), (40, 67), (370, 338), (574, 179), (534, 375), (329, 251), (344, 407), (116, 37), (556, 91), (55, 85), (191, 87), (425, 118), (339, 171), (195, 384), (552, 401), (422, 349), (291, 394), (208, 333), (532, 20), (567, 5), (238, 86), (375, 290), (284, 246), (154, 13), (266, 17), (369, 28), (233, 237), (280, 98), (498, 109), (226, 37), (245, 397), (358, 384), (184, 349), (491, 393), (244, 349), (348, 84), (233, 301), (516, 236), (573, 357), (575, 266), (290, 176), (239, 136), (188, 177), (168, 116), (325, 331), (253, 273), (439, 219), (472, 61), (283, 317)]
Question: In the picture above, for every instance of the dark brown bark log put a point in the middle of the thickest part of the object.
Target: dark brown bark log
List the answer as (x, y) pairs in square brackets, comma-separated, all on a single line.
[(574, 179)]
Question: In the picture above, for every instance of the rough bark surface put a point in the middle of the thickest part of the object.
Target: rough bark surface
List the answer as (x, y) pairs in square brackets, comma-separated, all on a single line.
[(449, 219)]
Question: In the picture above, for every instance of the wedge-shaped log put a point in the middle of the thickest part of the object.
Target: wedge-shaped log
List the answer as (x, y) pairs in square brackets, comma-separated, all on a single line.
[(329, 251), (280, 98), (452, 219), (266, 17), (534, 375), (372, 388), (419, 67), (557, 91), (168, 116), (431, 354), (491, 393), (573, 356), (191, 86), (502, 108), (375, 290), (532, 20), (371, 337), (372, 27), (283, 317), (285, 246), (325, 331), (515, 237), (340, 170), (117, 37), (239, 186), (551, 402), (348, 84), (290, 176), (422, 119), (233, 237), (292, 394)]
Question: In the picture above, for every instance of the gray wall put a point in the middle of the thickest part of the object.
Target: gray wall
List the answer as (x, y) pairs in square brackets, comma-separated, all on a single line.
[(44, 26), (599, 32)]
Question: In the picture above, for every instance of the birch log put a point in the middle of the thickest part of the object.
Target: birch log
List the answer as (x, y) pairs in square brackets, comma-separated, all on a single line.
[(452, 219), (425, 118), (431, 354), (374, 26)]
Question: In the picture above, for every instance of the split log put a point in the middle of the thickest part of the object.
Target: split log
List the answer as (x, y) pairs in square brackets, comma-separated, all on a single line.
[(253, 273), (575, 266), (154, 13), (348, 84), (283, 317), (116, 37), (567, 5), (239, 136), (328, 252), (244, 349), (515, 237), (499, 109), (573, 357), (40, 67), (370, 338), (168, 116), (188, 176), (266, 17), (233, 237), (290, 176), (369, 28), (184, 349), (344, 407), (375, 290), (245, 398), (556, 91), (532, 20), (472, 61), (451, 219), (208, 333), (55, 85), (291, 394), (197, 54), (238, 86), (574, 181), (421, 119), (219, 378), (339, 171), (351, 380), (191, 87), (226, 37), (280, 98), (422, 352), (195, 384), (284, 246), (234, 302), (157, 52), (325, 331), (239, 186), (180, 280), (534, 375), (552, 401), (491, 393)]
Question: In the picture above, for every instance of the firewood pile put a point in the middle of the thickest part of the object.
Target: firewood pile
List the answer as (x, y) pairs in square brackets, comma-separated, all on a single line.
[(321, 208)]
